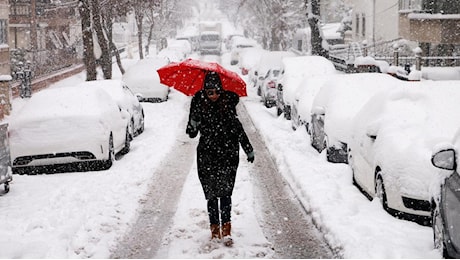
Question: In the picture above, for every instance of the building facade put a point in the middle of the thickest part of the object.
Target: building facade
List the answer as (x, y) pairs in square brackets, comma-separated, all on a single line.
[(45, 32), (5, 74), (375, 21), (434, 24)]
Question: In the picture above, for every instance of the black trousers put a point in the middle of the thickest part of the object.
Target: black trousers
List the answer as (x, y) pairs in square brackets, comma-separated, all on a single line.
[(225, 210)]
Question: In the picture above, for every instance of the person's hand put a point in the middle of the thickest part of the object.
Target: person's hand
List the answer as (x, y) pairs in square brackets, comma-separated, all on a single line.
[(251, 157), (194, 124), (192, 128)]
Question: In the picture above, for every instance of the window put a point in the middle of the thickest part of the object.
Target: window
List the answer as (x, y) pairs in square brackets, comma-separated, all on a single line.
[(446, 7), (410, 4), (431, 6), (55, 40), (363, 32), (357, 25), (3, 31)]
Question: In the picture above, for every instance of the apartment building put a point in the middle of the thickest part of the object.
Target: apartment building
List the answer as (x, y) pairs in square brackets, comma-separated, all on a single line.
[(5, 78), (47, 31), (434, 24), (375, 20)]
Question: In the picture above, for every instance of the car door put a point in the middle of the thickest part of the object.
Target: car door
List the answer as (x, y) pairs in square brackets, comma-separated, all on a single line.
[(317, 135), (136, 106), (363, 162), (450, 212)]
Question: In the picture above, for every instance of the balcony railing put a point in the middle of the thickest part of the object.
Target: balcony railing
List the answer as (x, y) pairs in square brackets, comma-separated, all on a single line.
[(430, 6)]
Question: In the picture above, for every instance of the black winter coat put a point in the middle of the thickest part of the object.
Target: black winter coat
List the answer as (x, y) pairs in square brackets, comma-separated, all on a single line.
[(221, 133)]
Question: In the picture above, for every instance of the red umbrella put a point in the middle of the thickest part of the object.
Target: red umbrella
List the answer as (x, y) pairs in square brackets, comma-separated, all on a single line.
[(187, 76)]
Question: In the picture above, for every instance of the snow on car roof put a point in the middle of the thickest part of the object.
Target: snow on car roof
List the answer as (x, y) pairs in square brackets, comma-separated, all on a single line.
[(65, 101)]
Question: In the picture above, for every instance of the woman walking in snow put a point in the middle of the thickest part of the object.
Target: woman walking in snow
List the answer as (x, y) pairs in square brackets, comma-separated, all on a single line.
[(213, 114)]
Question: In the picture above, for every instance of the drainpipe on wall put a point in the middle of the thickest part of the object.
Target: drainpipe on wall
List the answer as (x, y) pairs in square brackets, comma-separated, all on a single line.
[(373, 24)]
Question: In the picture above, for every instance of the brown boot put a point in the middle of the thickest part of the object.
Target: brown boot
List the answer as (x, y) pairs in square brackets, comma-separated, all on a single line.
[(226, 234), (215, 231)]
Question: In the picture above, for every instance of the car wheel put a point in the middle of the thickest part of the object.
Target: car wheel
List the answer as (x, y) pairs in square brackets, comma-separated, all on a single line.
[(142, 124), (131, 129), (108, 163), (352, 167), (279, 111), (312, 139), (127, 147), (325, 147), (380, 191), (287, 112), (266, 103), (438, 231)]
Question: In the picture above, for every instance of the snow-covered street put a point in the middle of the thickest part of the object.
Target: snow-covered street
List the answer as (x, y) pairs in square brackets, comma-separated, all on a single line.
[(85, 214)]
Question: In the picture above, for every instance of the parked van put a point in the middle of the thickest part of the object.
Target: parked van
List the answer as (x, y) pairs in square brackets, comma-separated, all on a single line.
[(210, 43)]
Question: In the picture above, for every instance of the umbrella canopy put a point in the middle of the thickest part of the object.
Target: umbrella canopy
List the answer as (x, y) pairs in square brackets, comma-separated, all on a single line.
[(188, 76)]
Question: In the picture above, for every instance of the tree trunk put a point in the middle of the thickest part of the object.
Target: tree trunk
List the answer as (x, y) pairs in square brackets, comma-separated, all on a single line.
[(149, 39), (108, 22), (88, 45), (313, 21), (117, 56), (106, 57), (139, 18)]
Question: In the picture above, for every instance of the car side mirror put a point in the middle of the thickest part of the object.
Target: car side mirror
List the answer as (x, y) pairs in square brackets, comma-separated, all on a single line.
[(445, 159), (124, 114)]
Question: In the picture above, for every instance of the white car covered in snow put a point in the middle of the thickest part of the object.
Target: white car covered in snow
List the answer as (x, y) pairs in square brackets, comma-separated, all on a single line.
[(58, 127), (393, 137), (295, 70), (143, 80), (334, 107), (125, 100), (238, 44)]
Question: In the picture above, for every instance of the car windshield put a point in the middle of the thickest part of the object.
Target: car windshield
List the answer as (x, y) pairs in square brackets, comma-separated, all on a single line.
[(210, 37), (276, 73), (244, 46)]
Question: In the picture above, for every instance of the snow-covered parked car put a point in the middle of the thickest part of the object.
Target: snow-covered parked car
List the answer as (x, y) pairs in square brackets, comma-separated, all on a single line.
[(295, 70), (335, 106), (238, 44), (249, 59), (143, 80), (181, 46), (445, 215), (125, 99), (303, 101), (391, 147), (171, 55), (68, 125), (269, 72)]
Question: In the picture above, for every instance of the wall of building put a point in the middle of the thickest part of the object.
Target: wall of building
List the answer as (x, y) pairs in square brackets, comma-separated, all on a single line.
[(5, 78), (375, 20)]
